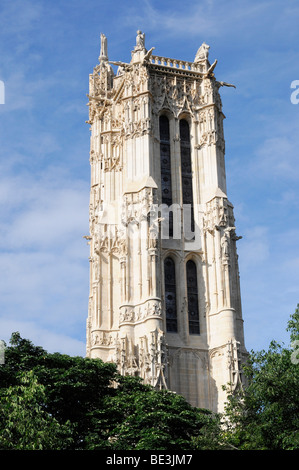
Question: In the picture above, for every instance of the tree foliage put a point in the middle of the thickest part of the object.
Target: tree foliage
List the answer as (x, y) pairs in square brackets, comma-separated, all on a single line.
[(25, 424), (54, 401), (139, 417), (57, 401), (265, 415)]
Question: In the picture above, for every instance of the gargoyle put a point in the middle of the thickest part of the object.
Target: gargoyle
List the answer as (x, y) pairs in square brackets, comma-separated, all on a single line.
[(225, 84), (210, 70)]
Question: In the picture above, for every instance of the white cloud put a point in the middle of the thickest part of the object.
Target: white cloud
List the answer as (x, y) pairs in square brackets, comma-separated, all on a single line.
[(287, 198), (44, 259), (14, 23), (194, 18), (51, 341), (277, 156), (42, 210), (254, 248), (53, 219)]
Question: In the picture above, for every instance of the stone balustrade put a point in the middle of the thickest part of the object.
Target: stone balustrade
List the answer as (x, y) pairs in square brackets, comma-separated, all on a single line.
[(177, 64)]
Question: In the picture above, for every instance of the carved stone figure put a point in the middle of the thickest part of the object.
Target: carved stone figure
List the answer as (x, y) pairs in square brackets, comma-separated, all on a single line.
[(104, 50), (140, 41), (202, 53), (225, 240)]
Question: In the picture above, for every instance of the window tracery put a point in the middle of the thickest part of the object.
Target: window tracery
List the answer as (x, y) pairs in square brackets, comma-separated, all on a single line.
[(170, 295), (192, 297)]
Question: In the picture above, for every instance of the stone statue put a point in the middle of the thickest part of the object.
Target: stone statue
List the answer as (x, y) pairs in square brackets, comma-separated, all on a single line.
[(225, 244), (104, 50), (140, 41), (202, 53)]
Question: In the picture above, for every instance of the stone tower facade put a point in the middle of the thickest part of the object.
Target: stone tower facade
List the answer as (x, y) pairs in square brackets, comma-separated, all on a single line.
[(164, 298)]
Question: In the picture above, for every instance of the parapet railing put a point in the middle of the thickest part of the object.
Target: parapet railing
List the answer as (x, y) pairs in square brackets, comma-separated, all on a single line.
[(177, 64)]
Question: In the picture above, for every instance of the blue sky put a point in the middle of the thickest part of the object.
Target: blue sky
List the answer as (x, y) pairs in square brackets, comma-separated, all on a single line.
[(47, 50)]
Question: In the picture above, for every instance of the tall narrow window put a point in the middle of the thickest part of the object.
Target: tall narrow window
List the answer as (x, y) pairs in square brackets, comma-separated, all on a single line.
[(186, 169), (165, 159), (170, 295), (192, 293)]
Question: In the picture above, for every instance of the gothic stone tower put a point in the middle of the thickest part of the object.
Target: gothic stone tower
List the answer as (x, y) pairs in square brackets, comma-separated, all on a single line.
[(164, 298)]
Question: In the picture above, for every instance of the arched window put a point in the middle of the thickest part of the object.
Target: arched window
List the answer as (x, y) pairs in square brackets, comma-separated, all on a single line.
[(186, 170), (165, 159), (192, 296), (170, 295)]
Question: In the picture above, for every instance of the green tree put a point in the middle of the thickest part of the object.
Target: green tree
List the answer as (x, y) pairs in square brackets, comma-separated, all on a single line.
[(74, 386), (102, 409), (265, 415), (139, 417), (24, 422)]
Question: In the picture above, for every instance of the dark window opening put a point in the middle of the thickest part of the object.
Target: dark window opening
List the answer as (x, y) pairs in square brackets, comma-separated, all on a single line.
[(186, 170), (192, 297), (165, 159), (170, 295)]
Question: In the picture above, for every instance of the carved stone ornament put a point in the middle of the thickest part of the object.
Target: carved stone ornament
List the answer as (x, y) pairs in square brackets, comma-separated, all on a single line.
[(148, 359), (133, 314), (235, 365), (202, 53), (140, 41)]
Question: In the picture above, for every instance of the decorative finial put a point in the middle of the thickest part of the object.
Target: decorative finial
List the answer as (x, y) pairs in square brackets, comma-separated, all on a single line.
[(104, 50)]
